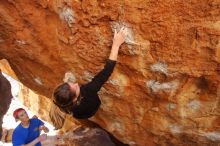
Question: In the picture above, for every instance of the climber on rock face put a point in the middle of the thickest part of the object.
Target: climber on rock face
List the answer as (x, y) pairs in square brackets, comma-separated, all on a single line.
[(27, 133), (82, 101)]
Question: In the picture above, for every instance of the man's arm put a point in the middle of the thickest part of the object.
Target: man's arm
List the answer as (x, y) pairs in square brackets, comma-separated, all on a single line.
[(44, 128), (38, 139), (41, 125)]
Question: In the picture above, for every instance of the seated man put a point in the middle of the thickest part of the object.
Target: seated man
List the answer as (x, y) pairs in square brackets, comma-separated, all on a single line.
[(27, 133)]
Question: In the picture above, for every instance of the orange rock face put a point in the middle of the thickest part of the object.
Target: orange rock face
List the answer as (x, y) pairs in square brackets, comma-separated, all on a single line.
[(5, 98), (165, 88)]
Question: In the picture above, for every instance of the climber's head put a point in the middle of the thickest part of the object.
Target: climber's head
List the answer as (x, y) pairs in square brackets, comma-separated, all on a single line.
[(65, 95)]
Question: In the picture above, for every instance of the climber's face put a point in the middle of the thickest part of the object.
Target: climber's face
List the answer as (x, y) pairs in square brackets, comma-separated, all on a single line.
[(74, 87)]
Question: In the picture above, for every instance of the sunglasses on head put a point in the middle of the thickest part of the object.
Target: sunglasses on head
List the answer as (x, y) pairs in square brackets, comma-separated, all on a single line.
[(68, 103)]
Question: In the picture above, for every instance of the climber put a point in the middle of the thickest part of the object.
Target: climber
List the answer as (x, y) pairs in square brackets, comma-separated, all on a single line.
[(27, 133), (82, 101)]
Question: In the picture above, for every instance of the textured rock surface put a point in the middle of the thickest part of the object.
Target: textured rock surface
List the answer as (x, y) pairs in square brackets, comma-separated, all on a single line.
[(5, 98), (87, 137), (165, 88)]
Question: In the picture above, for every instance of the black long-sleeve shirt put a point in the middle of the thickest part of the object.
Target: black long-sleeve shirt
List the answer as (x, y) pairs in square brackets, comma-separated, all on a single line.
[(90, 101)]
